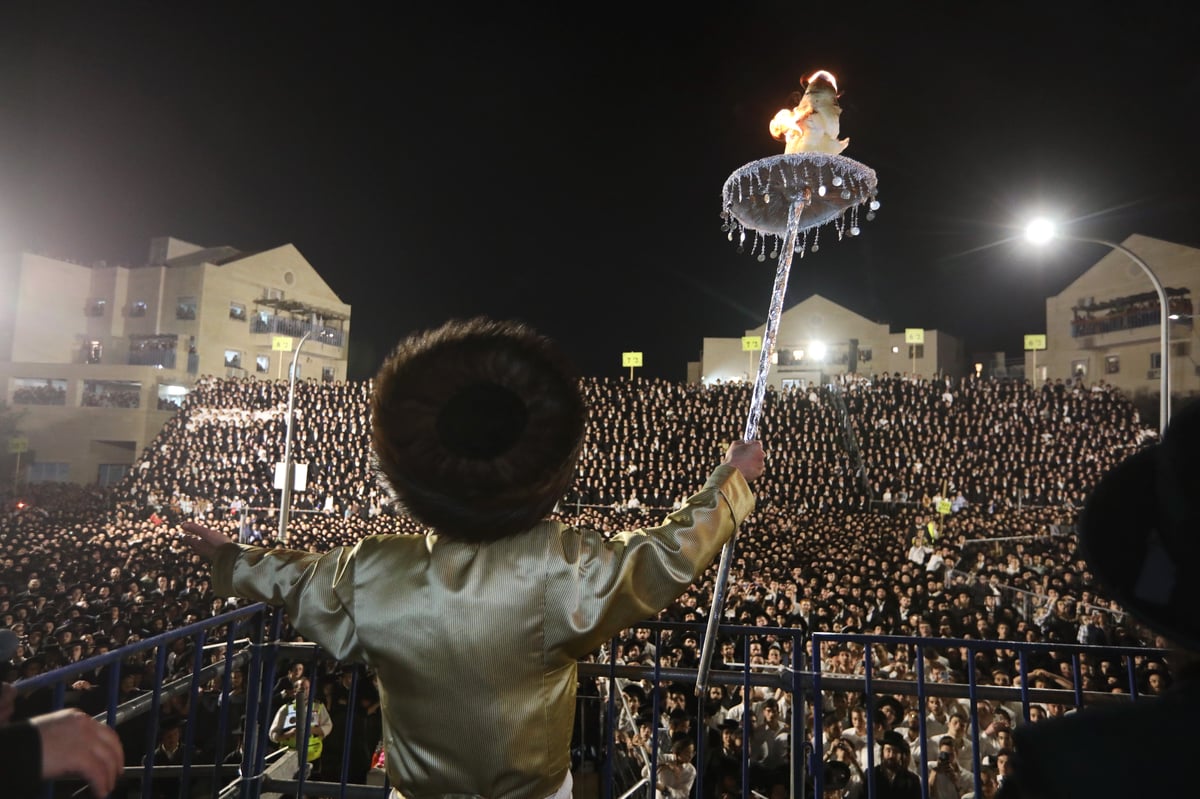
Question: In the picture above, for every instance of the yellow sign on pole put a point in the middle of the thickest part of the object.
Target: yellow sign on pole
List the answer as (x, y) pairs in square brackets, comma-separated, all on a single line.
[(18, 444), (914, 337), (943, 506), (1033, 343), (281, 343), (632, 360), (751, 344)]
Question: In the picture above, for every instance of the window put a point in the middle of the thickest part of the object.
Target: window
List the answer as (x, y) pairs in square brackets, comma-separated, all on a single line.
[(1079, 368), (1156, 360), (233, 359), (170, 397), (262, 363), (1112, 364), (112, 394), (95, 307), (95, 352), (1181, 349), (864, 354), (38, 391), (185, 308), (327, 374), (49, 472), (112, 473), (237, 312), (138, 308), (916, 351)]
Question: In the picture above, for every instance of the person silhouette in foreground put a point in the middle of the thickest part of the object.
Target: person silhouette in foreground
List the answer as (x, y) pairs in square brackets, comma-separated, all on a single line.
[(1140, 534), (477, 426), (63, 744)]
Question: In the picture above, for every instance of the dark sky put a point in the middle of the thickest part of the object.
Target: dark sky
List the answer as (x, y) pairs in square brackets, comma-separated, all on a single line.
[(563, 163)]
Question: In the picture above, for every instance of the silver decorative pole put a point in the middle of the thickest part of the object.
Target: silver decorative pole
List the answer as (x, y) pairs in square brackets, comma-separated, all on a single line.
[(756, 402), (783, 196)]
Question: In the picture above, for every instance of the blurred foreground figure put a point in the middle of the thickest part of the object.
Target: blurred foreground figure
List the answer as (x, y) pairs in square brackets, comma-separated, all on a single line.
[(477, 427), (64, 744), (1140, 533)]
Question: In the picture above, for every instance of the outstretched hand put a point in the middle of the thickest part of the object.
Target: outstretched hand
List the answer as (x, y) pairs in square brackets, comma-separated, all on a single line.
[(203, 541), (75, 745), (747, 457)]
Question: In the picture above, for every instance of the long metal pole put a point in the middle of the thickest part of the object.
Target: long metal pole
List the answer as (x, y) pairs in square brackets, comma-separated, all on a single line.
[(285, 501), (1164, 372), (756, 401)]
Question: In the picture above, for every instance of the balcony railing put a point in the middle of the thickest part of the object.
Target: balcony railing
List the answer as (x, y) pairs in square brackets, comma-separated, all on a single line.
[(297, 328)]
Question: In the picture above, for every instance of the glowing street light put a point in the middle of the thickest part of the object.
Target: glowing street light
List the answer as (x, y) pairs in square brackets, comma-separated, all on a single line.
[(1041, 231)]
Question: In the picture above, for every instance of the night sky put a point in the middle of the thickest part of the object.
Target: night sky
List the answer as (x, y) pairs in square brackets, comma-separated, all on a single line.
[(563, 164)]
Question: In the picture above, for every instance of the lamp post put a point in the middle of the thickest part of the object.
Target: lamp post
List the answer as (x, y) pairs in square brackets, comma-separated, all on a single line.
[(285, 501), (1041, 231)]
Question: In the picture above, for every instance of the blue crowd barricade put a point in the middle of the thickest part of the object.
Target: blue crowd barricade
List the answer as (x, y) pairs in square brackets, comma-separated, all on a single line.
[(612, 758)]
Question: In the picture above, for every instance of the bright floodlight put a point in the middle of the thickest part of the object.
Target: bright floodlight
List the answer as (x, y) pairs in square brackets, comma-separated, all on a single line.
[(1040, 231), (817, 348)]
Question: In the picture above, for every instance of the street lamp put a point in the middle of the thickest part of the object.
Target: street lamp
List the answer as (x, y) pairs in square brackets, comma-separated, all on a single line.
[(285, 500), (1042, 231)]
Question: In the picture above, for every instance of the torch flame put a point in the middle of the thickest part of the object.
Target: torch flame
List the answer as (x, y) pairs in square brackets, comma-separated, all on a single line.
[(785, 123), (823, 73), (812, 126)]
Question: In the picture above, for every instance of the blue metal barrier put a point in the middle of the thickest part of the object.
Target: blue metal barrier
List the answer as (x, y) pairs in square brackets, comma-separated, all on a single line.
[(250, 638)]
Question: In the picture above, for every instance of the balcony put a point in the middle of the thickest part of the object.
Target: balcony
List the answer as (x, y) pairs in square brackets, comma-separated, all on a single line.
[(153, 351), (297, 328), (1125, 320)]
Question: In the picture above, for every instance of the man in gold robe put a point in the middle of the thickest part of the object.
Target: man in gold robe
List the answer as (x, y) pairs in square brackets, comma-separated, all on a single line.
[(475, 629)]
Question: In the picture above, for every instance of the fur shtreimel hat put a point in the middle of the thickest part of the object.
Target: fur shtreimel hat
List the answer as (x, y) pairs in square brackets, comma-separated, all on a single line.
[(1140, 531), (477, 426)]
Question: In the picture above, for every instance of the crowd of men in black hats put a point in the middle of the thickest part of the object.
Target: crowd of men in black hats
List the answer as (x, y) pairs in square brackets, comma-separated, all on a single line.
[(896, 505)]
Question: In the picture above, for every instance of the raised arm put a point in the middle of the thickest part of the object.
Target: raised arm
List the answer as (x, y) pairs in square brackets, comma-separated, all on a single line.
[(630, 577), (317, 590)]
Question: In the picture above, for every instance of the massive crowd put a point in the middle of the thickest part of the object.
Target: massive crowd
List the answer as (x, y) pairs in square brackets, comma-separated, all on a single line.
[(896, 505)]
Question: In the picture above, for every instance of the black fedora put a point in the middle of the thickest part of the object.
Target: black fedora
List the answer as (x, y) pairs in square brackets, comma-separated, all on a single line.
[(1140, 531)]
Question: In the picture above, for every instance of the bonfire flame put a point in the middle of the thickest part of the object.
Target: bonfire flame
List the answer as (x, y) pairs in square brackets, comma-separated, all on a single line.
[(813, 125)]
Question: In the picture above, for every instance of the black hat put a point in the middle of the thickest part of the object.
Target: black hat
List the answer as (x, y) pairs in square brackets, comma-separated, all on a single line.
[(1140, 530), (893, 703), (731, 724), (477, 427), (635, 690), (171, 722), (836, 775), (895, 740)]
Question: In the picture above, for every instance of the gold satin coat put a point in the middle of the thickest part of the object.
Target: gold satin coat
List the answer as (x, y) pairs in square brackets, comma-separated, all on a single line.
[(476, 644)]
